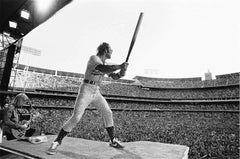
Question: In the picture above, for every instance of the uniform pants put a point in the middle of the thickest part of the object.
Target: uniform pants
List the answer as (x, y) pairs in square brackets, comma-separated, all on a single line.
[(89, 94)]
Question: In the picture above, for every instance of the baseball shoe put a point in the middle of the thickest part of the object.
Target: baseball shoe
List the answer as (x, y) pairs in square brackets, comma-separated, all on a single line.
[(53, 148), (116, 144)]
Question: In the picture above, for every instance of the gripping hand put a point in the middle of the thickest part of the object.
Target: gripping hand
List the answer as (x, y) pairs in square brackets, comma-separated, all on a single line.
[(123, 70), (124, 66), (23, 127)]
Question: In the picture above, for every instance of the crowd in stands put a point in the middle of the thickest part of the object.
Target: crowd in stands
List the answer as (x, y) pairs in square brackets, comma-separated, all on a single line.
[(27, 79), (228, 79), (209, 93), (209, 135), (168, 89), (66, 102), (59, 79), (52, 102), (221, 80), (173, 106)]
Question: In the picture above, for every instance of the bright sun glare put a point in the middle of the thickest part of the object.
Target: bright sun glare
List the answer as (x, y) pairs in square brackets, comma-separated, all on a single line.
[(44, 5)]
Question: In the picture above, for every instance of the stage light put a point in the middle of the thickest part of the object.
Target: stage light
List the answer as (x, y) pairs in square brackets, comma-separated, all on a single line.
[(6, 33), (25, 14), (44, 5), (12, 24)]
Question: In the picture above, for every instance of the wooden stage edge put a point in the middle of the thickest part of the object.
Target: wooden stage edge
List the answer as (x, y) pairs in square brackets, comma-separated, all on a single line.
[(78, 148)]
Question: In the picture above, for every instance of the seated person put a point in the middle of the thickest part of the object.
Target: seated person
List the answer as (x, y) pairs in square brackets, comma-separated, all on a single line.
[(11, 120)]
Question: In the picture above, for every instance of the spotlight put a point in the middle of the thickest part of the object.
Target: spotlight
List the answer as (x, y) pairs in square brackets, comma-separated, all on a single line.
[(6, 33), (13, 24), (25, 14), (44, 5)]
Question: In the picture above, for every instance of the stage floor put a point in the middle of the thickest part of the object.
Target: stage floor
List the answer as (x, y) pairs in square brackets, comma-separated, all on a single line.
[(77, 148)]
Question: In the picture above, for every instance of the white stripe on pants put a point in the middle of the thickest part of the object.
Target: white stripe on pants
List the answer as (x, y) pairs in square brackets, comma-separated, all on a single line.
[(89, 94)]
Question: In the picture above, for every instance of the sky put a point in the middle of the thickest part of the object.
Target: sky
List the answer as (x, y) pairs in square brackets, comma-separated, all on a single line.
[(176, 39)]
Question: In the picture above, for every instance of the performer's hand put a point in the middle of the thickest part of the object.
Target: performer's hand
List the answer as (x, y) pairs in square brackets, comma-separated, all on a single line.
[(23, 127), (124, 66)]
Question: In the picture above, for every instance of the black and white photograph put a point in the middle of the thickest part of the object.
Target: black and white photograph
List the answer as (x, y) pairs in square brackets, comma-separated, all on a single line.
[(119, 79)]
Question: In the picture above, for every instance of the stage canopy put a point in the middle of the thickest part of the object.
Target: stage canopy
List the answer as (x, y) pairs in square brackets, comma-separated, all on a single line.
[(19, 17)]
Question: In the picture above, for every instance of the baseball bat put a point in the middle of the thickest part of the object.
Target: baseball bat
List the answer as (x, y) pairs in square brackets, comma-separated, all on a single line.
[(134, 36)]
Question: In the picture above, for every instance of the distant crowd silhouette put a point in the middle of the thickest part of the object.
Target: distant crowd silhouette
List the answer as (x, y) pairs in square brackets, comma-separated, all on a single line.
[(223, 87), (23, 75)]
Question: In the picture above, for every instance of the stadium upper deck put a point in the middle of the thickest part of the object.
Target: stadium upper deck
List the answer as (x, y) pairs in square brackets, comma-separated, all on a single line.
[(23, 72)]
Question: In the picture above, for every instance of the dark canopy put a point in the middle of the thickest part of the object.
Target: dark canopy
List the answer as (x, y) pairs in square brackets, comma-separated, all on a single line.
[(10, 11)]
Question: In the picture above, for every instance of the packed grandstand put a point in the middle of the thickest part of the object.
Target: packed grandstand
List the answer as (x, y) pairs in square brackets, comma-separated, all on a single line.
[(33, 77), (202, 114)]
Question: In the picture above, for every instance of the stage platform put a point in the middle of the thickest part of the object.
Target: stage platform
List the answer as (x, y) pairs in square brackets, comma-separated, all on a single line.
[(77, 148)]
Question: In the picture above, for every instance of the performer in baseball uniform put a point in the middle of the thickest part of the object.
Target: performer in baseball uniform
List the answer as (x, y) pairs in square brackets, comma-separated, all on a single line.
[(89, 94)]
